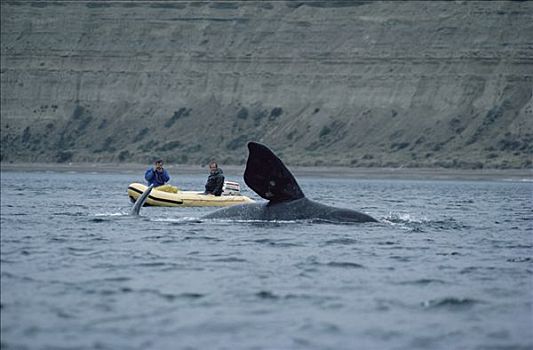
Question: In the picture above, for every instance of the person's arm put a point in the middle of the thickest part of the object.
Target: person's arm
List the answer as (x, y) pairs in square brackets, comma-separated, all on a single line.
[(209, 185), (166, 176), (219, 185), (149, 175)]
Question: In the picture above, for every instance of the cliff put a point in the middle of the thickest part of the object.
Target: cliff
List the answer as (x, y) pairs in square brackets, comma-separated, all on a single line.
[(344, 83)]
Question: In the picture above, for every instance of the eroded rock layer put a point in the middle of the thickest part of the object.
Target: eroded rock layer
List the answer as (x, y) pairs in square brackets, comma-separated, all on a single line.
[(354, 83)]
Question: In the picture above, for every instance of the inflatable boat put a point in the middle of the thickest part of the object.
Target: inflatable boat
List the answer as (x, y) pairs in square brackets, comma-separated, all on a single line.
[(230, 196)]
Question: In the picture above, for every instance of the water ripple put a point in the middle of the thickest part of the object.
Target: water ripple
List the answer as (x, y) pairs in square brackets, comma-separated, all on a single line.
[(345, 265), (451, 303), (423, 282), (449, 263), (341, 241)]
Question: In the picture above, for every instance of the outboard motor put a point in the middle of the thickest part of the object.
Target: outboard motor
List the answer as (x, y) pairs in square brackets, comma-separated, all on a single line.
[(231, 188)]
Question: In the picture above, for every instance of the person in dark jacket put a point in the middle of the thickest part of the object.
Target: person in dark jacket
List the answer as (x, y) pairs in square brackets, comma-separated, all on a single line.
[(157, 175), (215, 181)]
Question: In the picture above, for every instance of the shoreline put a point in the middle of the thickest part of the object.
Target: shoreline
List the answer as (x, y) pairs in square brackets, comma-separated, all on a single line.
[(524, 175)]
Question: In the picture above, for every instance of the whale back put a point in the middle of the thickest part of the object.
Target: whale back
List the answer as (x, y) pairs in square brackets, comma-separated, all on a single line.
[(299, 209), (267, 176)]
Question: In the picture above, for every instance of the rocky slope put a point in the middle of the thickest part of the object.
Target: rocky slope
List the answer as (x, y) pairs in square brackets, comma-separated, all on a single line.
[(349, 83)]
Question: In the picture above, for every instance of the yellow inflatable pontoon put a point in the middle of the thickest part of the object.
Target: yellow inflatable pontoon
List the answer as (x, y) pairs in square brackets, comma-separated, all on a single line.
[(189, 198)]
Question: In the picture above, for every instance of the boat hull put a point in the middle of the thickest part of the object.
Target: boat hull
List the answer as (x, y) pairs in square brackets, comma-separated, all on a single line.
[(184, 198)]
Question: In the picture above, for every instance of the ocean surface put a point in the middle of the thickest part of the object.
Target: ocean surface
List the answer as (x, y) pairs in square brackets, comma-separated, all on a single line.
[(448, 266)]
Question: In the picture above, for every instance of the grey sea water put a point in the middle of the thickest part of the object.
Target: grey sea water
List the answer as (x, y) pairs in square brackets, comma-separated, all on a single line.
[(449, 266)]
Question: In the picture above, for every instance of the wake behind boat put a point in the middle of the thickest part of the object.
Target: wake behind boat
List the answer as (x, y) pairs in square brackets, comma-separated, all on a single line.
[(230, 196)]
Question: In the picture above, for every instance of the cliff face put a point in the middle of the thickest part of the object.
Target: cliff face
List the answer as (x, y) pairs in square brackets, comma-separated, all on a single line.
[(342, 83)]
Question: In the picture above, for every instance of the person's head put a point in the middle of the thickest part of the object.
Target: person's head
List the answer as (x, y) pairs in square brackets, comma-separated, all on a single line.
[(159, 164), (213, 166)]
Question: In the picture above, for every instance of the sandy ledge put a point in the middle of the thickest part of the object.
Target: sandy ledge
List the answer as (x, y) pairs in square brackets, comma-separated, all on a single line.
[(344, 172)]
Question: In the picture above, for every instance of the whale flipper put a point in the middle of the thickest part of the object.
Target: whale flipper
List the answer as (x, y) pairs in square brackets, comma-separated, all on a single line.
[(141, 200), (267, 176)]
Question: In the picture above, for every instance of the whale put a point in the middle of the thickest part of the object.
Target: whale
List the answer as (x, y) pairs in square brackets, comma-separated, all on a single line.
[(141, 200), (267, 176)]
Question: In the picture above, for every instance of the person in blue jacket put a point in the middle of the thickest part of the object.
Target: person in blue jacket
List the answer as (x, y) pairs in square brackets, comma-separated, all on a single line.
[(157, 175)]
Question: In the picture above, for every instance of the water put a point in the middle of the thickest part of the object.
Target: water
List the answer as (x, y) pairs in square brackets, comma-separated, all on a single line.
[(448, 266)]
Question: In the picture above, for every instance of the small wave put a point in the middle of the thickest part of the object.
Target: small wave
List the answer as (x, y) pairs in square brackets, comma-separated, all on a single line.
[(187, 220), (154, 264), (112, 214), (336, 264), (474, 269), (401, 258), (387, 243), (450, 303), (127, 290), (114, 279), (402, 218), (517, 246), (423, 282), (341, 241), (264, 294), (230, 260), (191, 295), (415, 224), (76, 249), (69, 214), (269, 295), (97, 220), (333, 222), (447, 224), (450, 253), (207, 238), (524, 179), (171, 296), (345, 265), (520, 259), (58, 240), (178, 221), (275, 243)]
